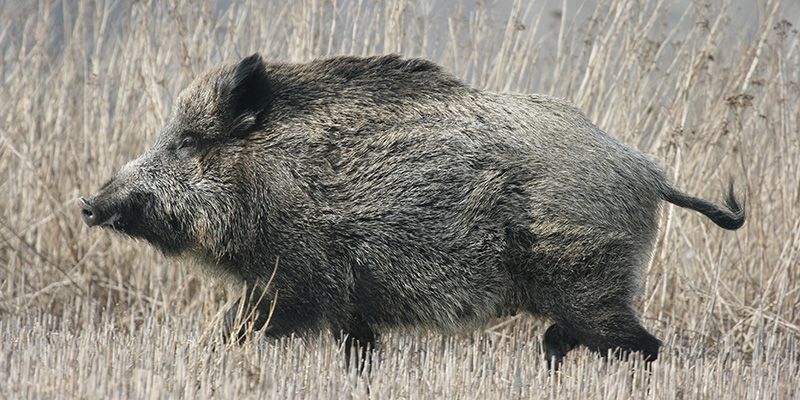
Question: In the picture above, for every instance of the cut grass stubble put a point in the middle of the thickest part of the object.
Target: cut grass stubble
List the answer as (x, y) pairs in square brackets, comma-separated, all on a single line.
[(707, 90)]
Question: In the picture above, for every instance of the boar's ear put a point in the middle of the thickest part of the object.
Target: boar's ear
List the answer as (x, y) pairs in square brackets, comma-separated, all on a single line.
[(249, 94)]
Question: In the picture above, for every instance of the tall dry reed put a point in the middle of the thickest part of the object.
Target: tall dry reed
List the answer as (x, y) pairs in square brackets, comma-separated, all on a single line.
[(710, 90)]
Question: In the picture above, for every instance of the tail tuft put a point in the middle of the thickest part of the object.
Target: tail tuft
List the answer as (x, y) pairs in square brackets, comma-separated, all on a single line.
[(735, 208)]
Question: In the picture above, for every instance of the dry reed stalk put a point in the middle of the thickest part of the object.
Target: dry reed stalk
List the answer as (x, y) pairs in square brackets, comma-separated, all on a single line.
[(707, 91)]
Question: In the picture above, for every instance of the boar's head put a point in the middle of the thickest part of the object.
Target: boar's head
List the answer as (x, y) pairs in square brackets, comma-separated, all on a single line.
[(188, 186)]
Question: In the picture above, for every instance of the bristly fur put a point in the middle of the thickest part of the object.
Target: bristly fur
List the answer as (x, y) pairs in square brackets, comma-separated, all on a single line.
[(394, 195)]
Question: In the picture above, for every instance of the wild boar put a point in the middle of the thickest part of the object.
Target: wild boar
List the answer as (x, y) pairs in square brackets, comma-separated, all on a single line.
[(389, 193)]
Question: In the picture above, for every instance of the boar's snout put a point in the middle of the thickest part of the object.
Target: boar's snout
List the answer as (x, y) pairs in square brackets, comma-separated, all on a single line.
[(105, 207), (89, 213), (93, 215), (142, 201)]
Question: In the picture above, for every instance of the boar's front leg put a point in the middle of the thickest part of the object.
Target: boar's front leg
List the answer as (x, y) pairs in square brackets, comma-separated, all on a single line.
[(557, 343), (360, 335), (249, 314)]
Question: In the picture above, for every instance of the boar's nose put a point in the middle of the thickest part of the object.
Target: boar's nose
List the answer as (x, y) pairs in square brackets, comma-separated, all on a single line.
[(89, 213)]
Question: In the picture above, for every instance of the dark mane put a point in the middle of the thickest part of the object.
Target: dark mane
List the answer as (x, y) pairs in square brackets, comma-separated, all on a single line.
[(390, 76), (388, 66)]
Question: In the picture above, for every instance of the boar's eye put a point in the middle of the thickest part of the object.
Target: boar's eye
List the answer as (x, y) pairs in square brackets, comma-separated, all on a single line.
[(187, 145), (188, 141)]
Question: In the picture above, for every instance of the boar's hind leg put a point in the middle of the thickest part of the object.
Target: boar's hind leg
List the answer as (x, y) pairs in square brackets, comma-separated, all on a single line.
[(628, 336), (618, 330), (360, 335)]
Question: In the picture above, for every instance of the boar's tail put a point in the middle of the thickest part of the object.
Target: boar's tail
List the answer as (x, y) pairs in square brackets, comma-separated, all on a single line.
[(729, 217)]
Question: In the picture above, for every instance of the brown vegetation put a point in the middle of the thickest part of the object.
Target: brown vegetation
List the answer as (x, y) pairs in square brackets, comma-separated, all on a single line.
[(709, 91)]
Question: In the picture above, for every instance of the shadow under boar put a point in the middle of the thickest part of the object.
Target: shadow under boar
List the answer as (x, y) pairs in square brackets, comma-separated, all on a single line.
[(394, 195)]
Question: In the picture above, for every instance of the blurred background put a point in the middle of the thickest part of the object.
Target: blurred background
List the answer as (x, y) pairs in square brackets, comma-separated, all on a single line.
[(709, 88)]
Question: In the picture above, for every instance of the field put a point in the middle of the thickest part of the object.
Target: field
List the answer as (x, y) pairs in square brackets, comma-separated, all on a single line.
[(710, 89)]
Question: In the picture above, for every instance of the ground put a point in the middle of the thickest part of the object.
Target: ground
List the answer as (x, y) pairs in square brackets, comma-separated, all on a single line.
[(709, 91)]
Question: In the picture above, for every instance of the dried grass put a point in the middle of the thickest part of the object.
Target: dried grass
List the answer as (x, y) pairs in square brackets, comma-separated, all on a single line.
[(708, 90)]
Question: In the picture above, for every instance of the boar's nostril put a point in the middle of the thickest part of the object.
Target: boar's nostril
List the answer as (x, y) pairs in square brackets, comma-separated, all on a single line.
[(89, 213)]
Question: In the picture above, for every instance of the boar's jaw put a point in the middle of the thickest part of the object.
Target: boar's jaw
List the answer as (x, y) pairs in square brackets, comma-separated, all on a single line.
[(134, 215)]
